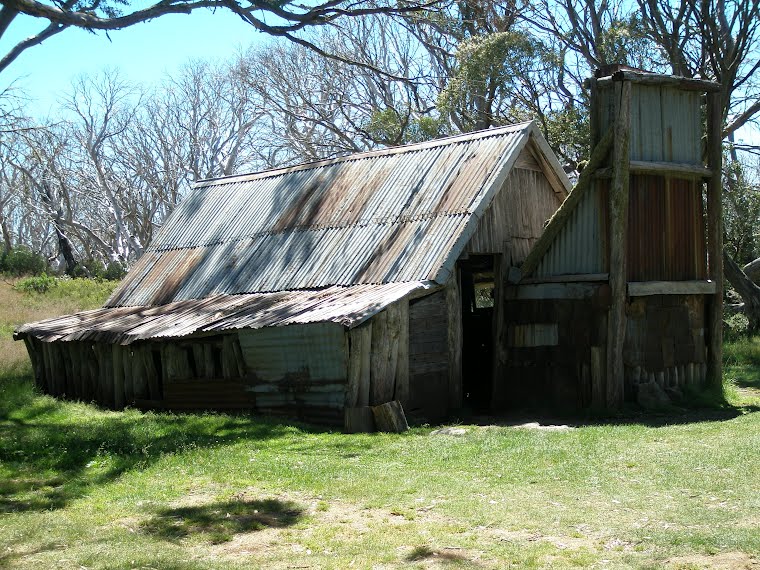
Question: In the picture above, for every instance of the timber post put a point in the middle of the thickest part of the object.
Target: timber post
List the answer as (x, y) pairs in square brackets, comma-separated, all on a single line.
[(715, 239), (618, 200)]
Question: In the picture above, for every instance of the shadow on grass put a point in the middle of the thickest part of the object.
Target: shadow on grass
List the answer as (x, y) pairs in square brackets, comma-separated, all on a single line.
[(52, 452), (220, 522), (446, 556)]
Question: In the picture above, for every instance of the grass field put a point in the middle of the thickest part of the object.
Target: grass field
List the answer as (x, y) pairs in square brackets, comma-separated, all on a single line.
[(84, 488)]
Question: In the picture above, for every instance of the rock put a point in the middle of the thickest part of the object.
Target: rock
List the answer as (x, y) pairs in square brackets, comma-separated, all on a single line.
[(457, 431), (651, 396)]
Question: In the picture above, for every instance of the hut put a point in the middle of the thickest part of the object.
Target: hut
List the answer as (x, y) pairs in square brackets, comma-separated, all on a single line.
[(427, 274), (316, 291), (621, 297)]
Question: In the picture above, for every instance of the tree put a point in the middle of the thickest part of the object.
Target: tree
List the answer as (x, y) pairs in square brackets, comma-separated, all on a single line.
[(282, 18)]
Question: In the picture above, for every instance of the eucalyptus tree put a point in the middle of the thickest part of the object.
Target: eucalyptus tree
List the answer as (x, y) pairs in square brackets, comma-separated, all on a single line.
[(320, 108), (282, 19)]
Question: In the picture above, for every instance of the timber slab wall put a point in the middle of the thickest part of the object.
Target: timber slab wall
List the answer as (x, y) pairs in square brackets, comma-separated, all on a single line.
[(555, 347)]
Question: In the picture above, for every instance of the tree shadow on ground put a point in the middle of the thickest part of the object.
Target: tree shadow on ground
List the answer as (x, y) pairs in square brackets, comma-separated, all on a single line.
[(220, 521), (53, 452)]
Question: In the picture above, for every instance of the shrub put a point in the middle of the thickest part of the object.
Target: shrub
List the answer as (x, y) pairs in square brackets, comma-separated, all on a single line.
[(22, 261), (736, 325), (38, 284)]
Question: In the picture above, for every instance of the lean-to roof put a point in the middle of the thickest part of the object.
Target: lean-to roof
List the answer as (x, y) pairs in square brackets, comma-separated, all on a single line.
[(347, 306)]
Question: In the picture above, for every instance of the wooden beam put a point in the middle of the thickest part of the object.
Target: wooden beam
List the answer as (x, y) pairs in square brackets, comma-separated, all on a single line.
[(560, 217), (390, 417), (643, 288), (640, 78), (618, 220), (578, 278), (540, 291), (715, 239), (675, 169)]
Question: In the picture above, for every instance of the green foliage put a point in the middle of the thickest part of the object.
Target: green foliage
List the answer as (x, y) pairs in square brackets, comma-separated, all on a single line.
[(390, 127), (625, 42), (39, 284), (568, 133), (22, 261), (741, 214), (736, 325), (82, 291), (488, 68)]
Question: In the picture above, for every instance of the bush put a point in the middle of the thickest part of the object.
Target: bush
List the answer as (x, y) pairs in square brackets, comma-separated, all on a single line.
[(39, 284), (736, 325), (22, 261)]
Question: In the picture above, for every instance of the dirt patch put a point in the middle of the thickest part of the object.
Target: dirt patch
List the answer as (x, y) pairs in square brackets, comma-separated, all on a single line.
[(723, 561), (561, 542)]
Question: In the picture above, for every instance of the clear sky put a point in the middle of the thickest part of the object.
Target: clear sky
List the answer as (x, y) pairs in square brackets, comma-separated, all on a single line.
[(142, 52)]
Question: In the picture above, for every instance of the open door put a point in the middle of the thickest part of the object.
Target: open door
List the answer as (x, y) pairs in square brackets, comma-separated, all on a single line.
[(477, 282)]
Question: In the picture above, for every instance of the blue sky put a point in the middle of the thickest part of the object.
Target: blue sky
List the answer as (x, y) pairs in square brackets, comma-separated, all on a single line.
[(142, 52)]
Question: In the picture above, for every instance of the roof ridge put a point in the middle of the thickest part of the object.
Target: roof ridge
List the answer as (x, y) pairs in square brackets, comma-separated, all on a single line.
[(463, 137)]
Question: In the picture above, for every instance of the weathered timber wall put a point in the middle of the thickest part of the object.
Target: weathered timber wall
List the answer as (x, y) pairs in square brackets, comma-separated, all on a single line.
[(665, 342), (378, 361), (429, 378), (555, 358), (553, 345), (192, 373), (516, 216)]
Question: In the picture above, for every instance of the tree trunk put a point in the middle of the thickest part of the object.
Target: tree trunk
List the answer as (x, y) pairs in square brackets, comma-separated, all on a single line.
[(748, 291), (752, 269), (6, 233)]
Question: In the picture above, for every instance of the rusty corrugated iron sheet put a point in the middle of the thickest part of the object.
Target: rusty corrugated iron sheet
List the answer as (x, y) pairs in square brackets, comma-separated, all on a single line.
[(396, 215), (666, 240), (347, 306)]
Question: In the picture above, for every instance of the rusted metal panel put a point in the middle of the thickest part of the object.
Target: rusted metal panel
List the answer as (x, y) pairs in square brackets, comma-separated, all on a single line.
[(346, 306), (666, 239), (381, 217)]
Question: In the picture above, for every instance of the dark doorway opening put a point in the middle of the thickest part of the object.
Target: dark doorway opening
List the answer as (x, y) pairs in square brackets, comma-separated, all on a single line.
[(477, 283)]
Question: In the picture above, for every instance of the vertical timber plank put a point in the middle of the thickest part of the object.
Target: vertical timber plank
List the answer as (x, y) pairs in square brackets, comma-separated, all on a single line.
[(36, 364), (500, 348), (357, 390), (401, 392), (129, 377), (151, 373), (618, 235), (715, 239), (454, 341), (383, 367), (139, 374), (117, 354)]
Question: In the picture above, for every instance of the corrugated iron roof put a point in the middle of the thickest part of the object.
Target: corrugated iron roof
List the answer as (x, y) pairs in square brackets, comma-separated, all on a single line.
[(348, 306), (395, 215)]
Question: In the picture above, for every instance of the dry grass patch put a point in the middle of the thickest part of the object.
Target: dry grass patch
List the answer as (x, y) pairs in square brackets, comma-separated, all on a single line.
[(722, 561)]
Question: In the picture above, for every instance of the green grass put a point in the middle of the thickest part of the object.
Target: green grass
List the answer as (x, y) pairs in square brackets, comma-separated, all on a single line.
[(82, 487)]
